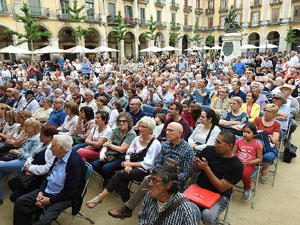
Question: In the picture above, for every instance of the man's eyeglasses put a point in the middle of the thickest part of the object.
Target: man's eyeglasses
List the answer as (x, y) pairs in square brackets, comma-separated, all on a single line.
[(122, 121), (171, 109), (155, 181)]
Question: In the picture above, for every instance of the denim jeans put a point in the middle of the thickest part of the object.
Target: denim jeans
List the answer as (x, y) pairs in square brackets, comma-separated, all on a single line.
[(107, 169), (7, 167), (211, 216)]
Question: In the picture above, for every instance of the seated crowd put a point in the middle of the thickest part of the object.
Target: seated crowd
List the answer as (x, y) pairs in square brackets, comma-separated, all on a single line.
[(158, 124)]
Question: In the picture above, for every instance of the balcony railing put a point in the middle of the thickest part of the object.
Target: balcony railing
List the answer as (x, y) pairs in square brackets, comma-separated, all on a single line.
[(198, 11), (296, 19), (275, 2), (223, 9), (256, 4), (131, 21), (188, 27), (62, 15), (275, 21), (5, 8), (197, 28), (40, 12), (143, 1), (255, 23), (295, 0), (174, 5), (188, 8), (94, 18), (111, 20), (143, 23), (175, 26), (160, 3), (161, 24), (209, 11)]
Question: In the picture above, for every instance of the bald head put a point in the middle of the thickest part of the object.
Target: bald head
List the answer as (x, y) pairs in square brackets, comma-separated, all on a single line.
[(174, 132)]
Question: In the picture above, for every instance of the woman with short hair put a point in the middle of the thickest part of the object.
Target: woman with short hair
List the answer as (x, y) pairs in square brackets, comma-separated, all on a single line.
[(133, 170), (250, 107), (70, 124)]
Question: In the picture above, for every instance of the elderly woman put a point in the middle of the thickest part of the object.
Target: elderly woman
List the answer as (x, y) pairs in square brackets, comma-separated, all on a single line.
[(244, 87), (133, 170), (268, 124), (10, 125), (250, 107), (205, 133), (279, 81), (235, 118), (114, 150), (32, 128), (43, 113), (261, 99), (84, 126), (97, 137), (70, 124), (19, 138), (38, 163)]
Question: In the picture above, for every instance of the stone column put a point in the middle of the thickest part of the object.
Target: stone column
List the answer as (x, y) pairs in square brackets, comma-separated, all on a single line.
[(54, 42), (231, 45), (104, 43), (263, 39), (122, 50), (283, 45), (179, 46), (136, 50)]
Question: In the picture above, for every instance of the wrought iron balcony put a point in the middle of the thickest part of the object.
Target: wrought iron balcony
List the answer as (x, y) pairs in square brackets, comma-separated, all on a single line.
[(143, 1), (188, 27), (223, 9), (160, 3), (161, 24), (276, 2), (131, 21), (198, 11), (143, 23), (40, 12), (111, 20), (209, 11), (256, 4), (174, 5), (188, 8), (62, 15), (94, 18), (175, 26)]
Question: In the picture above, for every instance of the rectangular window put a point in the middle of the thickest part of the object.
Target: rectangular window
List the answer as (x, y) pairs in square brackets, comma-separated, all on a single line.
[(210, 4), (142, 14), (197, 4), (35, 7), (222, 22), (173, 17), (128, 11), (186, 3), (210, 22), (275, 15), (238, 4), (185, 19), (63, 6), (255, 18), (223, 4), (89, 7), (3, 6), (112, 9), (297, 13), (158, 16)]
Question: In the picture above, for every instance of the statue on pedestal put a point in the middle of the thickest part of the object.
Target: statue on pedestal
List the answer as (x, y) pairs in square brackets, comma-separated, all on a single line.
[(231, 26)]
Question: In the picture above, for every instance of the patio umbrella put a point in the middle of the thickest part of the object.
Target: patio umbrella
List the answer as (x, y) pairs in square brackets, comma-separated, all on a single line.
[(268, 45), (216, 47), (169, 49), (193, 48), (80, 49), (151, 49), (105, 49), (49, 49), (14, 50), (248, 46)]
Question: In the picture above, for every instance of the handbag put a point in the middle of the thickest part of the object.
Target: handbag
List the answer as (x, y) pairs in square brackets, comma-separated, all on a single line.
[(169, 210), (22, 181), (139, 156), (5, 156), (111, 155), (5, 147), (77, 140), (289, 152)]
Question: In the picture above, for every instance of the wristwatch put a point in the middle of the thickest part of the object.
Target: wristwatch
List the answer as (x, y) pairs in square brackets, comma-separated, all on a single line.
[(108, 145)]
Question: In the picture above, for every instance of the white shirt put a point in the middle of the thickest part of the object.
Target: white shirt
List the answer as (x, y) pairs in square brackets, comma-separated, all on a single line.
[(112, 118), (91, 104), (32, 106), (294, 61)]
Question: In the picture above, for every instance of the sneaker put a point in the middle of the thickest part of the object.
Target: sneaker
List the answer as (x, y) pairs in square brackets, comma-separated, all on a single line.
[(246, 194)]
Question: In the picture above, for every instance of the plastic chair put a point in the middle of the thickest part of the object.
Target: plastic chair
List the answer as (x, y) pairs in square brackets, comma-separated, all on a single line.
[(149, 110), (254, 177), (89, 170)]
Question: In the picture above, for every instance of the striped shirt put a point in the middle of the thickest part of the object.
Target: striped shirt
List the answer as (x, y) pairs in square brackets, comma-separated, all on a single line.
[(184, 214), (182, 153)]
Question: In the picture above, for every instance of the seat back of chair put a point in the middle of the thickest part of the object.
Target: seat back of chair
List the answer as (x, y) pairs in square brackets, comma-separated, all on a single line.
[(88, 174)]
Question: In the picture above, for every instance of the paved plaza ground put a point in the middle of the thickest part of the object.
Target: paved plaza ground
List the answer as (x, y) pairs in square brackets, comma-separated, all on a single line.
[(278, 205)]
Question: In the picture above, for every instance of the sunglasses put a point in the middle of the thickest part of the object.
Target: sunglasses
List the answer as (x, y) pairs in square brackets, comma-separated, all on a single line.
[(122, 121)]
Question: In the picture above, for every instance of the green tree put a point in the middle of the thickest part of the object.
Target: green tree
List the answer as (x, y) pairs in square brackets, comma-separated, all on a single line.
[(31, 25), (210, 40), (174, 37), (152, 28), (196, 38), (291, 34), (121, 28), (75, 17)]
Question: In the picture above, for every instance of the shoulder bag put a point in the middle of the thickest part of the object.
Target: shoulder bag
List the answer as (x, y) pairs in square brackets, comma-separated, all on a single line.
[(139, 156)]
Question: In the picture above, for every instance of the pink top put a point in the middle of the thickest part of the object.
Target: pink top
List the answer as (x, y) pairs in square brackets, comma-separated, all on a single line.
[(247, 151)]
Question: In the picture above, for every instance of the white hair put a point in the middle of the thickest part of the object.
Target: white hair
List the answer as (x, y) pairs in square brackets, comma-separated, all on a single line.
[(64, 141), (261, 86), (90, 92), (148, 121)]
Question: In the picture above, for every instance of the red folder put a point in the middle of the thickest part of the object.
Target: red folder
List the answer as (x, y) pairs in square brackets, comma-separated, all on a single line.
[(201, 196)]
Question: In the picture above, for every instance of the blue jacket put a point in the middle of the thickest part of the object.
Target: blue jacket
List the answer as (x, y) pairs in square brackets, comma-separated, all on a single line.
[(30, 147), (74, 183)]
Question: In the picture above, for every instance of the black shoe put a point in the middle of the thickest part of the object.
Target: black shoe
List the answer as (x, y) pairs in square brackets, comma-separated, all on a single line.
[(1, 201)]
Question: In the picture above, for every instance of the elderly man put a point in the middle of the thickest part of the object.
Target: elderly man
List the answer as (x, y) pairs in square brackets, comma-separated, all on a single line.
[(221, 104), (236, 86), (60, 190), (165, 96), (136, 111), (284, 112), (101, 92), (262, 99), (220, 170), (57, 116), (164, 189), (175, 148), (292, 103), (47, 91), (20, 102), (89, 101), (31, 104)]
